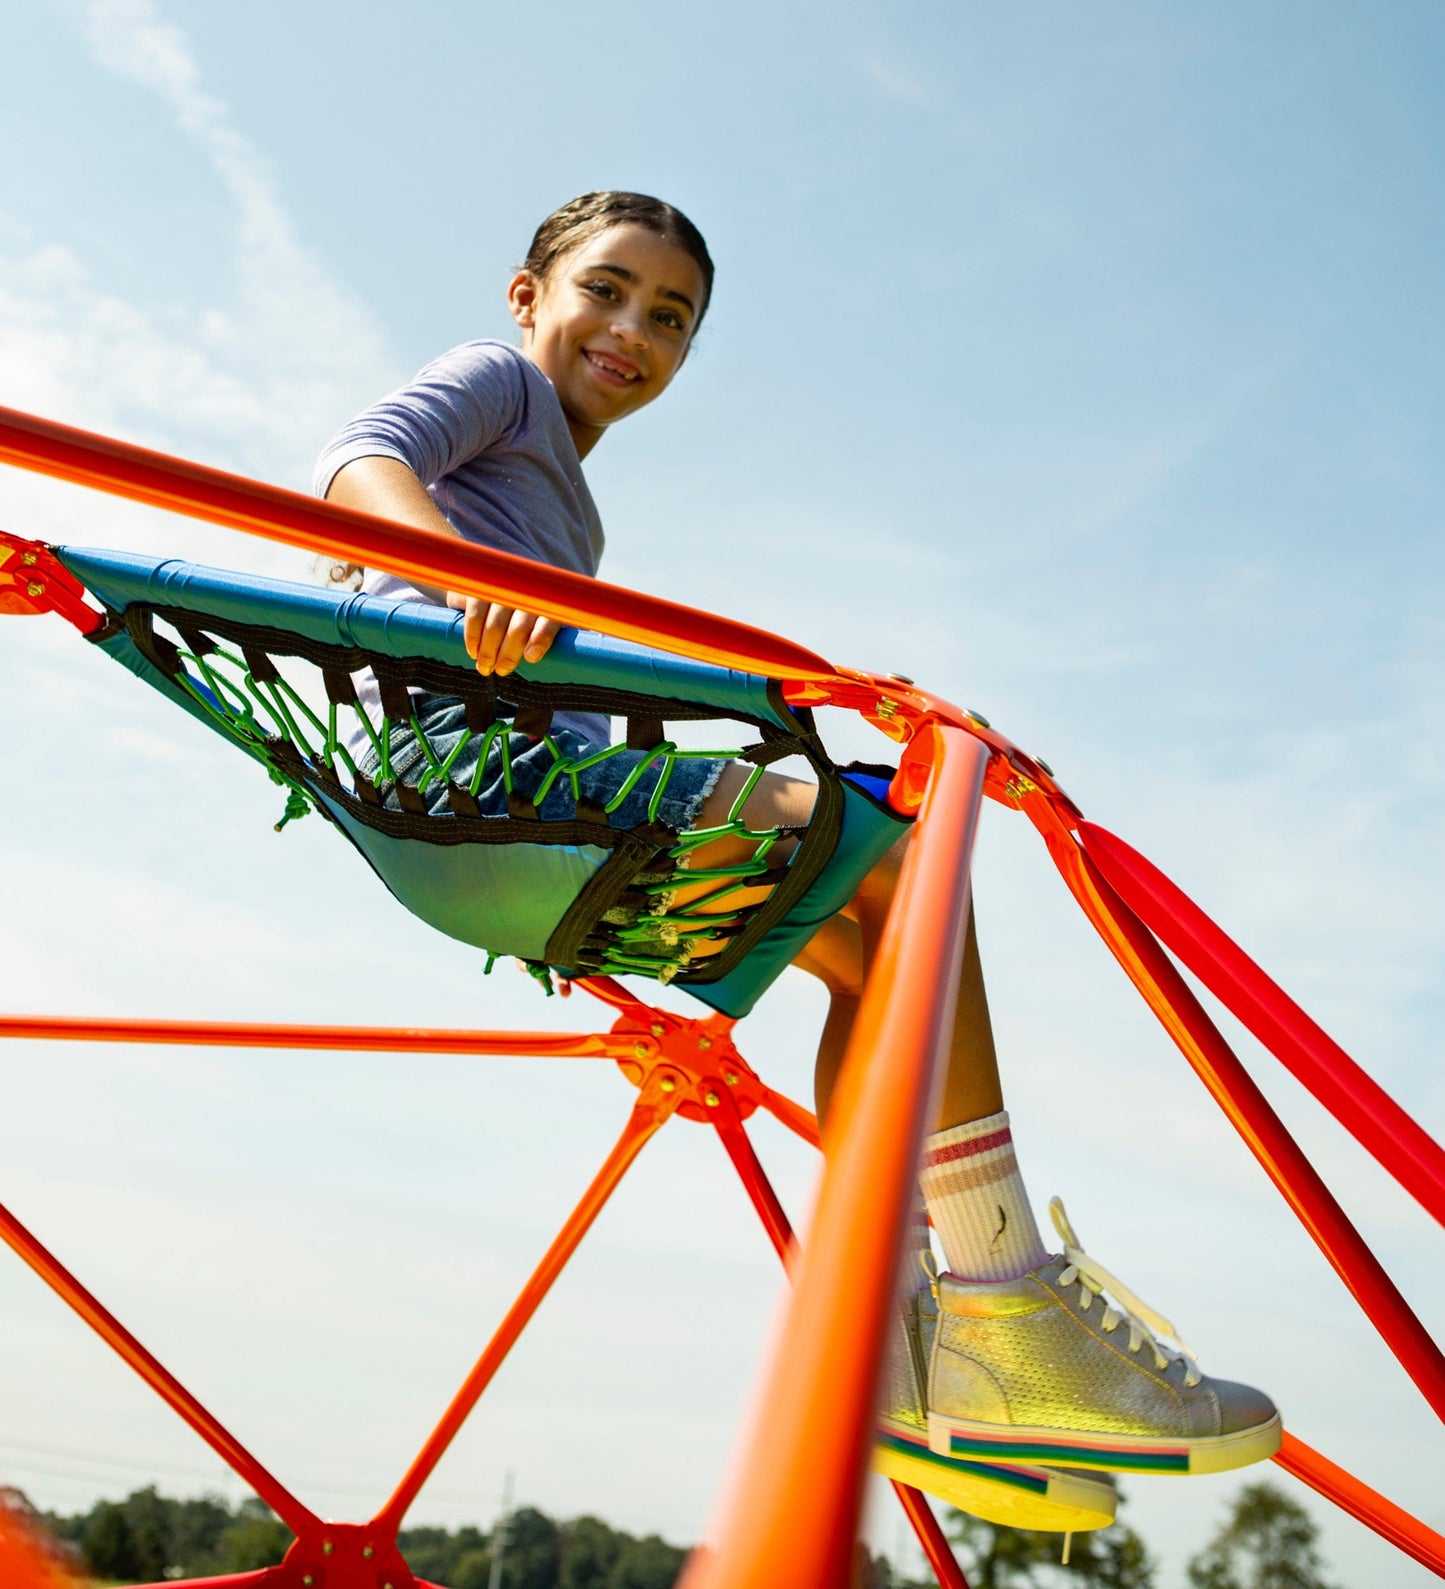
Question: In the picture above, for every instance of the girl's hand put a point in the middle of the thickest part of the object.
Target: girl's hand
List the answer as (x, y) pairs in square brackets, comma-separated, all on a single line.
[(498, 637)]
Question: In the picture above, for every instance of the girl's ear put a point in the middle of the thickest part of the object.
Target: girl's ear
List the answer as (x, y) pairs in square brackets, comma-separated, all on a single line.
[(523, 292)]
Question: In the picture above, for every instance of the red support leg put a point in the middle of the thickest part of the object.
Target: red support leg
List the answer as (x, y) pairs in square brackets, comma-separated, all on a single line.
[(1354, 1098), (1368, 1506), (1184, 1018), (296, 1517), (656, 1102)]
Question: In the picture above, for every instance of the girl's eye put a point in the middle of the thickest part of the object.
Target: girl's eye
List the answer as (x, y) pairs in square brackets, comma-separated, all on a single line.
[(601, 288), (670, 318)]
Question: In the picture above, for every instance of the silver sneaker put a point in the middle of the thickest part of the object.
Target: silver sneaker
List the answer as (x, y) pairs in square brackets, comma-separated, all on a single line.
[(1043, 1370), (1004, 1491)]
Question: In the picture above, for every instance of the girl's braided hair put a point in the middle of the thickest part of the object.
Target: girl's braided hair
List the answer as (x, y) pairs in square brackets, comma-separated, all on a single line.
[(568, 228)]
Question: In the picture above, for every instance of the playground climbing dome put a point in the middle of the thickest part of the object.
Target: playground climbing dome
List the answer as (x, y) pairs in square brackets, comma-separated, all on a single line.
[(232, 651)]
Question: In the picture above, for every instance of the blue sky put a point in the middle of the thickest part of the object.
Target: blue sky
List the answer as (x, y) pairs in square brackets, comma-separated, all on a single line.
[(1085, 365)]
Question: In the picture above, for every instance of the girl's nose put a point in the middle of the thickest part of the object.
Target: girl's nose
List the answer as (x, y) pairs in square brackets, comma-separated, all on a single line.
[(630, 330)]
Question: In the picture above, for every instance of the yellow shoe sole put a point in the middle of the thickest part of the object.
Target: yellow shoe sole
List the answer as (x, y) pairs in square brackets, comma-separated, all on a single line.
[(1016, 1494)]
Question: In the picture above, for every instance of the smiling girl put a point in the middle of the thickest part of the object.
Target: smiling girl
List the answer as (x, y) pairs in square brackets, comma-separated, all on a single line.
[(1005, 1355)]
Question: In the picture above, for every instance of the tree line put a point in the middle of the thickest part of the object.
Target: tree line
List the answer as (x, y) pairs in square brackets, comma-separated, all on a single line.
[(1267, 1541)]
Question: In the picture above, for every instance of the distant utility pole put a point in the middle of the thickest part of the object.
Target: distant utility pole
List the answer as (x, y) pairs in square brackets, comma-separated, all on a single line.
[(499, 1534)]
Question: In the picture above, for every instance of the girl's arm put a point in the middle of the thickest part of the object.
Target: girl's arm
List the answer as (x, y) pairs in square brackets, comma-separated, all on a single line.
[(497, 637)]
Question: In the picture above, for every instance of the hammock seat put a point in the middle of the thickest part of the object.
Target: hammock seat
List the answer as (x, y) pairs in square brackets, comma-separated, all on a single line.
[(579, 896)]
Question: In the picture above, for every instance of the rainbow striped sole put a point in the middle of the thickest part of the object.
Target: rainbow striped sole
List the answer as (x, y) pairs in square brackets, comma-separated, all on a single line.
[(1003, 1491), (961, 1440)]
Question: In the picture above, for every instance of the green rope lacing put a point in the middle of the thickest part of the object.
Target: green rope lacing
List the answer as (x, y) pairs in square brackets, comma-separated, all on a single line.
[(657, 941)]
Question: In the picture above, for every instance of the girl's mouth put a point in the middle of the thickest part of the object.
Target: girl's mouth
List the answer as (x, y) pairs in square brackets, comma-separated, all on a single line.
[(615, 371)]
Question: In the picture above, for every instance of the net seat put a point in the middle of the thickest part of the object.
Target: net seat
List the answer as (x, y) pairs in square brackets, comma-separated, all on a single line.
[(582, 895)]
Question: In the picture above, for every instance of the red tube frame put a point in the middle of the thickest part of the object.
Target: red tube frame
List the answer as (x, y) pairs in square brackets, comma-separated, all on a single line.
[(937, 735)]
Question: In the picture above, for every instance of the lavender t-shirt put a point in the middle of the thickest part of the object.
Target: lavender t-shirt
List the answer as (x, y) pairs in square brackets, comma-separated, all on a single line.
[(482, 429)]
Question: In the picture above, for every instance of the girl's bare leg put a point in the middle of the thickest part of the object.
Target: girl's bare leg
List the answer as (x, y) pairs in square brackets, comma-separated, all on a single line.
[(842, 950)]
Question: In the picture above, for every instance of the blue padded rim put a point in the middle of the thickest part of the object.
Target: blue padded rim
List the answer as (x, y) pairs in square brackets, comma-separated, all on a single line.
[(407, 629)]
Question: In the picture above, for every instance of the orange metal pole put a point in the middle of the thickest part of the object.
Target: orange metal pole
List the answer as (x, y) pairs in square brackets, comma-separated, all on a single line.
[(230, 1450), (791, 1511), (735, 1139), (256, 1034), (655, 1103), (1368, 1506), (423, 556)]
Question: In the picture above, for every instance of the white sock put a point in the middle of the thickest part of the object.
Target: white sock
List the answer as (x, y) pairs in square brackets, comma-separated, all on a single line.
[(917, 1247), (976, 1199)]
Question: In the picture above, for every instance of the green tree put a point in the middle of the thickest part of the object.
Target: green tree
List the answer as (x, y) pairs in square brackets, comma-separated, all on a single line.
[(107, 1543), (649, 1563), (996, 1557), (1266, 1542), (257, 1538), (590, 1548), (532, 1556)]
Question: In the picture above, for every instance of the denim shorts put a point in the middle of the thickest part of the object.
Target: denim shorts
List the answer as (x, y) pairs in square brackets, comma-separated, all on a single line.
[(443, 720)]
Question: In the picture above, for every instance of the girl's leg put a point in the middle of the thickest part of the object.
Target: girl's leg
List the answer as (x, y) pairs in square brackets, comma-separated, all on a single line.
[(842, 950)]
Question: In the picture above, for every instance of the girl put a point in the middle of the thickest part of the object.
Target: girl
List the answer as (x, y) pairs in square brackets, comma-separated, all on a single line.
[(1005, 1355)]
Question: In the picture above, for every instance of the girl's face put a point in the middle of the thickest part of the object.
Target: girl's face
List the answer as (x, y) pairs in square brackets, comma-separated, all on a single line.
[(610, 324)]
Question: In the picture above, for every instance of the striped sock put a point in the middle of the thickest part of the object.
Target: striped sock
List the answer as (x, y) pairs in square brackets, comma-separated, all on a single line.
[(977, 1201)]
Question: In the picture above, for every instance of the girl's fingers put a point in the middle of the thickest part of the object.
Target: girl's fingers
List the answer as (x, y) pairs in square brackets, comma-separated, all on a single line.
[(544, 632), (499, 637), (514, 640), (493, 623)]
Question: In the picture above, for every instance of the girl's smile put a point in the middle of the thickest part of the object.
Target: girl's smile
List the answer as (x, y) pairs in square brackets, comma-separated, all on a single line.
[(610, 326)]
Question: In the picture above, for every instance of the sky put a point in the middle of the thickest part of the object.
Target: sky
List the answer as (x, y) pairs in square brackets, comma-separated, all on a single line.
[(1084, 364)]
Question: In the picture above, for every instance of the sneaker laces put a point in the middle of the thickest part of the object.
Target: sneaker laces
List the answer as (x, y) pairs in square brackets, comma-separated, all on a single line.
[(1122, 1306)]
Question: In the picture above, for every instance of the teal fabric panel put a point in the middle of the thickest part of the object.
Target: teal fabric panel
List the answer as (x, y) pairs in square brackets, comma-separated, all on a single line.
[(406, 629), (504, 898), (868, 833)]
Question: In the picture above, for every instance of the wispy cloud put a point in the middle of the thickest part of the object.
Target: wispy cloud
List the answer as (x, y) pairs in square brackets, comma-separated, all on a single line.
[(897, 84), (254, 369)]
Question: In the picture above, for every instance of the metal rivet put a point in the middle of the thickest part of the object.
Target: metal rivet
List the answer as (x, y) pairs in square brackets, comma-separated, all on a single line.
[(711, 1099), (658, 1029), (30, 559), (977, 717), (1042, 763), (668, 1084), (902, 678), (307, 1579), (731, 1078), (368, 1551), (640, 1049), (704, 1042), (35, 588), (327, 1547)]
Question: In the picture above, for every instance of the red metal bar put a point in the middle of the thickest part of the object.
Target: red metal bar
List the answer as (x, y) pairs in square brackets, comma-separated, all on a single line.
[(802, 1122), (423, 556), (755, 1181), (257, 1034), (791, 1513), (1183, 1017), (931, 1537), (1354, 1098), (655, 1103), (1367, 1506), (296, 1517), (765, 1200)]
